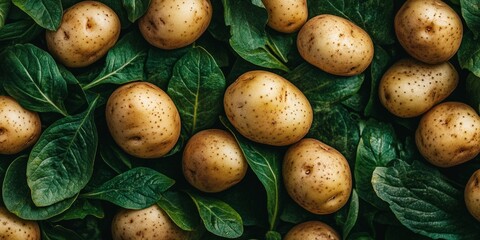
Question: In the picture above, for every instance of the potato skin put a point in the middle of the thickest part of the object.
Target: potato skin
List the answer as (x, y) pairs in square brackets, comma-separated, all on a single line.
[(171, 24), (19, 127), (87, 31), (472, 195), (317, 176), (335, 45), (409, 87), (429, 30), (143, 120), (266, 108), (286, 16), (449, 134), (15, 228), (312, 230), (212, 161)]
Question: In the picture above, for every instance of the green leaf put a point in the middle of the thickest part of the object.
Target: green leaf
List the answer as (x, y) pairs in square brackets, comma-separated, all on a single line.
[(380, 63), (4, 8), (17, 198), (80, 209), (469, 53), (137, 188), (180, 209), (352, 216), (471, 14), (473, 91), (34, 79), (218, 217), (272, 235), (402, 233), (58, 232), (425, 201), (135, 8), (61, 162), (115, 157), (160, 63), (19, 32), (46, 13)]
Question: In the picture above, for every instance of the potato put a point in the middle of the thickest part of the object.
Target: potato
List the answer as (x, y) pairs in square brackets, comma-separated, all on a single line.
[(317, 176), (449, 134), (266, 108), (143, 120), (171, 24), (409, 87), (15, 228), (87, 31), (472, 195), (149, 223), (19, 127), (212, 161), (335, 45), (286, 16), (429, 30), (312, 230)]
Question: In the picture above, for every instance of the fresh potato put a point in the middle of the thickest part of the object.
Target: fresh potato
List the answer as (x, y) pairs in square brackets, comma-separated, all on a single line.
[(449, 134), (317, 176), (266, 108), (286, 16), (335, 45), (429, 30), (87, 31), (312, 230), (212, 161), (149, 223), (472, 195), (171, 24), (409, 87), (143, 120), (19, 127), (14, 228)]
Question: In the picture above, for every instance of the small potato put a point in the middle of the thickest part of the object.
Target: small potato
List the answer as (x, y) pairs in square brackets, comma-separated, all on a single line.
[(312, 230), (286, 16), (472, 195), (143, 120), (212, 161), (335, 45), (171, 24), (429, 30), (317, 176), (19, 127), (266, 108), (449, 134), (88, 30), (15, 228), (409, 87), (149, 223)]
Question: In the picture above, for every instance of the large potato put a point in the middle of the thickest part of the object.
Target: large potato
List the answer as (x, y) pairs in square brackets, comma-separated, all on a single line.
[(312, 230), (429, 30), (409, 87), (14, 228), (171, 24), (317, 176), (19, 127), (266, 108), (286, 16), (212, 161), (87, 31), (449, 134), (472, 195), (143, 120), (335, 45)]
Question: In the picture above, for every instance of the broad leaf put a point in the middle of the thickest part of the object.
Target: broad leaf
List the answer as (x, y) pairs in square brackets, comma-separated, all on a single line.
[(58, 232), (135, 8), (115, 157), (80, 209), (18, 32), (469, 53), (180, 209), (380, 63), (160, 63), (471, 15), (4, 8), (46, 13), (272, 235), (473, 91), (352, 217)]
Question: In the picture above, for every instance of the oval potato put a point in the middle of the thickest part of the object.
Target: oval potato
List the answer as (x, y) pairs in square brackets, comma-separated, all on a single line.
[(286, 16), (312, 230), (15, 228), (472, 195)]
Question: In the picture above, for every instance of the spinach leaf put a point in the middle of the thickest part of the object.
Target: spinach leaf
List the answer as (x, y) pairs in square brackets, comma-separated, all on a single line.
[(380, 63), (115, 157), (180, 209), (424, 201), (469, 53), (80, 209), (160, 63), (58, 232), (471, 14), (22, 31), (137, 188), (34, 79), (4, 8), (352, 216), (135, 8), (473, 91), (17, 198), (46, 13), (197, 87), (273, 235)]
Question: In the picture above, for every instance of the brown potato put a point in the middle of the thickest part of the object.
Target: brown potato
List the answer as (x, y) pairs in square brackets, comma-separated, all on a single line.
[(286, 16), (312, 230), (472, 195), (15, 228)]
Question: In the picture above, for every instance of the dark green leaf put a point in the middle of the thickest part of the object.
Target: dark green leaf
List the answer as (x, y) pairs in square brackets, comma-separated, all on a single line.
[(473, 91), (380, 63), (180, 208), (402, 233), (58, 232), (46, 13), (471, 15), (159, 65), (19, 32), (281, 44), (80, 209), (272, 235), (135, 8), (115, 157), (352, 216), (4, 8), (137, 188), (469, 53)]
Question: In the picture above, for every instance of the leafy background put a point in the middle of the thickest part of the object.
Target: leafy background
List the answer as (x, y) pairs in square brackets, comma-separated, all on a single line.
[(397, 194)]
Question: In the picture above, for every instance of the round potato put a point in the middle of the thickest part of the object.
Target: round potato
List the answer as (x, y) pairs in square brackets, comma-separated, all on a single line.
[(19, 127), (409, 87), (335, 45), (449, 134), (15, 228), (429, 30), (317, 176), (472, 195), (266, 108), (171, 24), (286, 16), (212, 161), (148, 223), (143, 120), (87, 31), (312, 230)]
